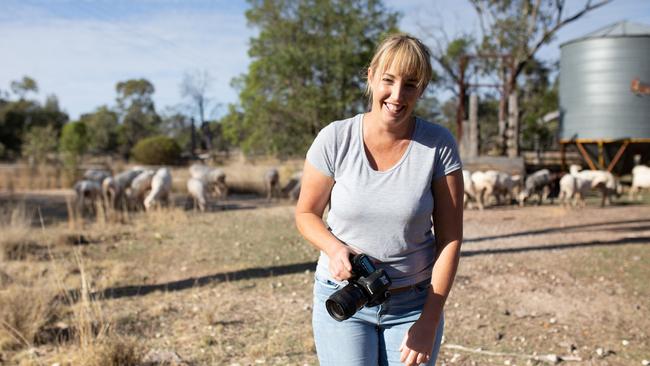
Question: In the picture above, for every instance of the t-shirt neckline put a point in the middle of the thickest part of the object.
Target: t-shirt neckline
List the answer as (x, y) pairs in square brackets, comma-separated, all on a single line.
[(366, 162)]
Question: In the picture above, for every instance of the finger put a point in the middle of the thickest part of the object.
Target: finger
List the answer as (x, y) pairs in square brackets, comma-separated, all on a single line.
[(404, 354), (410, 360), (346, 263), (422, 358)]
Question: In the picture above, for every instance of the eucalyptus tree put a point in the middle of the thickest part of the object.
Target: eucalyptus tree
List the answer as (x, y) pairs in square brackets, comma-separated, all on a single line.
[(137, 112), (308, 68)]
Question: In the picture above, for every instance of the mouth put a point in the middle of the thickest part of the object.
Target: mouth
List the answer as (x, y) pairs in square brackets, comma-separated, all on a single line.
[(394, 108)]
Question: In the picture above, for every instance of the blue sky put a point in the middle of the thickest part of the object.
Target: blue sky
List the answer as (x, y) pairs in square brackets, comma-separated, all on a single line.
[(78, 50)]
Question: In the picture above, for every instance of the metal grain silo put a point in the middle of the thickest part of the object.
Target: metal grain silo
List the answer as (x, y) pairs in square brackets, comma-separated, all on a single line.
[(605, 93)]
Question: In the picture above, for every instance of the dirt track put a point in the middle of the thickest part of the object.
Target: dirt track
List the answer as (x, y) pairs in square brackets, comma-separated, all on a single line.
[(535, 284), (549, 280)]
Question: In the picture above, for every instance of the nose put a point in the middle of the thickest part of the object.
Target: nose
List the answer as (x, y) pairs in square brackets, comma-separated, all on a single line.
[(397, 92)]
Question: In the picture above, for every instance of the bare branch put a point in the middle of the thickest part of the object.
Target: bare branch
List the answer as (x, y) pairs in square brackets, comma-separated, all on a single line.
[(548, 34)]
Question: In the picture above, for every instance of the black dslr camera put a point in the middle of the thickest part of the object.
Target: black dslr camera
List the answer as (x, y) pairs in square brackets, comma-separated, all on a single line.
[(368, 286)]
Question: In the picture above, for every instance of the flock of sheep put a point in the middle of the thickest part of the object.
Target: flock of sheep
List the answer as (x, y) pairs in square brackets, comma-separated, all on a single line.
[(142, 188), (571, 188)]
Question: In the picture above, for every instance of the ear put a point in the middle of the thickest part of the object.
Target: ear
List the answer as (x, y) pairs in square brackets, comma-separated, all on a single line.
[(370, 74)]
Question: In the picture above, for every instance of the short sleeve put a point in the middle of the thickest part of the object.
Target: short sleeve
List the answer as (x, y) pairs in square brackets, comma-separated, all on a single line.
[(322, 152), (447, 156)]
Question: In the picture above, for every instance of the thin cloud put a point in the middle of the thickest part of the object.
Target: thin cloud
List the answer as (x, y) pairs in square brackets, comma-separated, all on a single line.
[(80, 59)]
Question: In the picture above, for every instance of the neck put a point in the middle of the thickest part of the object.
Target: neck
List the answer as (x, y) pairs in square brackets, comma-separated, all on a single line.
[(376, 127)]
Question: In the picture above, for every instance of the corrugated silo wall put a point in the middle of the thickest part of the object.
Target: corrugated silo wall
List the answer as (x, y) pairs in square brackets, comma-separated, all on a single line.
[(596, 101)]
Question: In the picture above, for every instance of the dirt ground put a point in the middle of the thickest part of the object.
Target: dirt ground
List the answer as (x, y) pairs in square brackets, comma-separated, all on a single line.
[(536, 285)]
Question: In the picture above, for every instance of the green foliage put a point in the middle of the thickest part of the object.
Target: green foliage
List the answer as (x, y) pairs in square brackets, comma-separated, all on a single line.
[(102, 130), (74, 138), (39, 142), (177, 126), (488, 112), (428, 108), (137, 111), (73, 144), (157, 150), (24, 86), (19, 117), (447, 61), (538, 99), (308, 69)]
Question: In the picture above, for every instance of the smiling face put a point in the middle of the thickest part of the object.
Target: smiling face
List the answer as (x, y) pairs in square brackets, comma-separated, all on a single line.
[(394, 95), (398, 74)]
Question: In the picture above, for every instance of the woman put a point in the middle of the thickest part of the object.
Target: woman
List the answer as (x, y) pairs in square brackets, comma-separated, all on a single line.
[(389, 178)]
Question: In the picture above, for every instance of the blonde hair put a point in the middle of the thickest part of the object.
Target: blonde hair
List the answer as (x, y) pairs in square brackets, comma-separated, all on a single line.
[(409, 56)]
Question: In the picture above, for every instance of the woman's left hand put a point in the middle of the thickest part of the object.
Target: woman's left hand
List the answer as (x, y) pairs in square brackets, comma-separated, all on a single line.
[(417, 344)]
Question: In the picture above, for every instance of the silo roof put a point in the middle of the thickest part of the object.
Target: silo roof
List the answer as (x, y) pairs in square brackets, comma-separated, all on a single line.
[(620, 29)]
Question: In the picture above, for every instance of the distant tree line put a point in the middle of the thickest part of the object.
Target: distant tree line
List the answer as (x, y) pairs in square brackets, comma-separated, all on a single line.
[(308, 66)]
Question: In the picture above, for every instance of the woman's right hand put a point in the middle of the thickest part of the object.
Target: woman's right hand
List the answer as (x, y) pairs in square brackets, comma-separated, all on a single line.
[(339, 263)]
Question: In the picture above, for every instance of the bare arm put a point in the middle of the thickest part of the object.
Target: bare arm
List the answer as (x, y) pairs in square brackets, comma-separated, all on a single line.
[(448, 228), (314, 195)]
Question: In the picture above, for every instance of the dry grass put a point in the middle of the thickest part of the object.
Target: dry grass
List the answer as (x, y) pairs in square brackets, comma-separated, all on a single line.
[(45, 299), (23, 177), (234, 287), (244, 175), (24, 313)]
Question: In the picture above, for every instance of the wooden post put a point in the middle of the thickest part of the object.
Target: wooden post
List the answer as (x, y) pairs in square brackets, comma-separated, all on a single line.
[(513, 125), (601, 155), (473, 150)]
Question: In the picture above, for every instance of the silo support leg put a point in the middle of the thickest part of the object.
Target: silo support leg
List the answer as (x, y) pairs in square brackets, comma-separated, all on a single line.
[(618, 155), (586, 156), (601, 155)]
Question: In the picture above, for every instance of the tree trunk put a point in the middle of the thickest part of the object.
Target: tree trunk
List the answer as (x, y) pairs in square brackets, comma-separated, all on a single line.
[(473, 150), (513, 125)]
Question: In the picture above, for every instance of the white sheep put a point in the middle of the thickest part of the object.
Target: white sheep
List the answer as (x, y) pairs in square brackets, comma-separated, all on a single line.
[(292, 188), (213, 178), (506, 186), (196, 189), (96, 175), (484, 184), (199, 171), (139, 187), (601, 180), (217, 178), (87, 194), (468, 185), (122, 182), (573, 190), (271, 183), (161, 186), (640, 181), (536, 184), (109, 192)]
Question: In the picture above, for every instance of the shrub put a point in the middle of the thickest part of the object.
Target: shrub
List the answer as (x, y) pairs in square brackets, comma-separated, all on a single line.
[(156, 150)]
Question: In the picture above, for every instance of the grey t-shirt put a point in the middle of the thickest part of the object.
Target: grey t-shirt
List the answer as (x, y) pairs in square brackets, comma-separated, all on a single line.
[(387, 214)]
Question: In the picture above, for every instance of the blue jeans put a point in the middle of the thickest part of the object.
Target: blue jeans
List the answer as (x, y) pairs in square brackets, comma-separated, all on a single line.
[(372, 336)]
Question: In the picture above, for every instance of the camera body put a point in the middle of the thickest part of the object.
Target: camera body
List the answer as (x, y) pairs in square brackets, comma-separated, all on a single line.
[(368, 286)]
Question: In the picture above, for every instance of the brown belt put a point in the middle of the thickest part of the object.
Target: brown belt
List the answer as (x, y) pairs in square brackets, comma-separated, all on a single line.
[(398, 290)]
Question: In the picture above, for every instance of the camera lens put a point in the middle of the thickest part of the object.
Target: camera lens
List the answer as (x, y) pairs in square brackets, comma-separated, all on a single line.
[(345, 302)]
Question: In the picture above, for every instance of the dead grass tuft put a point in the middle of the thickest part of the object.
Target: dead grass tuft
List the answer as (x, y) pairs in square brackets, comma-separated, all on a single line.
[(21, 250), (5, 279), (116, 351), (19, 243), (14, 216), (24, 313), (73, 239)]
